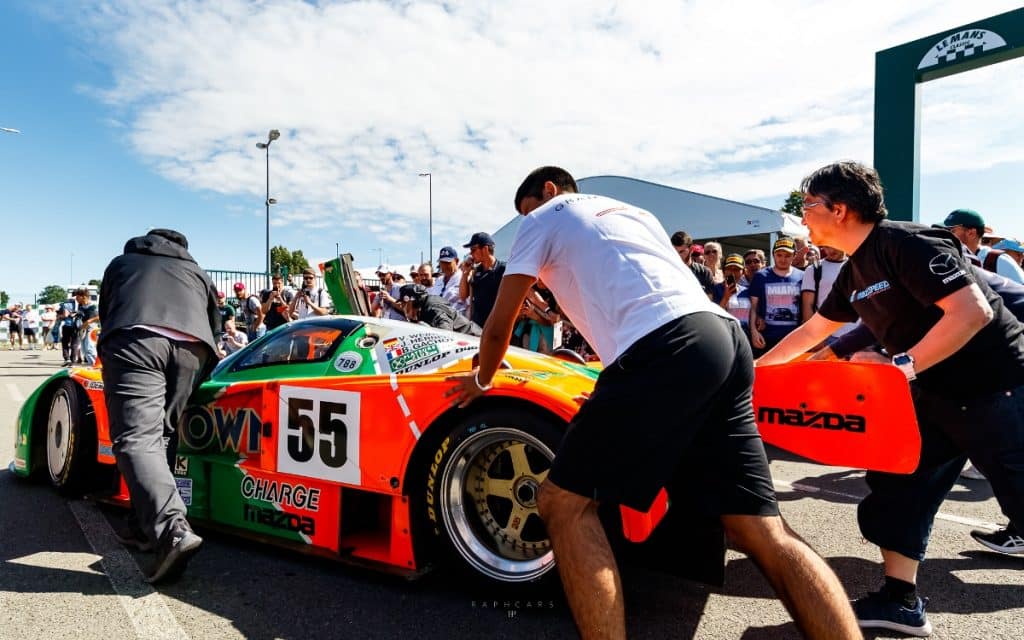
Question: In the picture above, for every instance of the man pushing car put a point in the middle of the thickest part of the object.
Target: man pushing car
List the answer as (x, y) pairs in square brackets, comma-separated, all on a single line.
[(619, 280)]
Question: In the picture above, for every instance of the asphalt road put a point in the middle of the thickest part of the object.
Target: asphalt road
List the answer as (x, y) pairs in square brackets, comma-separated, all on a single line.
[(63, 575)]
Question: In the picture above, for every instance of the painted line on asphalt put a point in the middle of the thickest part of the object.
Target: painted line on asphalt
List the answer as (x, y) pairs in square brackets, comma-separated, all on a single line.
[(948, 517), (145, 607), (15, 393)]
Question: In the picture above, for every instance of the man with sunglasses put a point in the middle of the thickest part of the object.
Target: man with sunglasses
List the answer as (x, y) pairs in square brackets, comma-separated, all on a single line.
[(310, 301), (962, 352)]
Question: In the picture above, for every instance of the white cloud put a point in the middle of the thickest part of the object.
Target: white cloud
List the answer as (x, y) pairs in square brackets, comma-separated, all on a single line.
[(734, 99)]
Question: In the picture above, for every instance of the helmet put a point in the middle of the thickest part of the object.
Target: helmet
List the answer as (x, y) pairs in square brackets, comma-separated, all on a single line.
[(414, 293)]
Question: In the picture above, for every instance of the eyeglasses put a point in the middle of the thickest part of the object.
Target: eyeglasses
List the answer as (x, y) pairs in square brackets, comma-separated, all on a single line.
[(753, 261), (810, 205), (307, 277)]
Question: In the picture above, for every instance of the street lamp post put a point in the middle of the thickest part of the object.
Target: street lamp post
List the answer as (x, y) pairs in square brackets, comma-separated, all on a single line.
[(273, 135), (430, 213)]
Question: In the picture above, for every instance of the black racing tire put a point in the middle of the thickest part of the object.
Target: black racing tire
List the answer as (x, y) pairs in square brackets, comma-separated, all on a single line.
[(69, 441), (479, 494)]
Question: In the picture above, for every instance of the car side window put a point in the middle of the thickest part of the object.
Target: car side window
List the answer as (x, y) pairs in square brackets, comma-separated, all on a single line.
[(297, 343)]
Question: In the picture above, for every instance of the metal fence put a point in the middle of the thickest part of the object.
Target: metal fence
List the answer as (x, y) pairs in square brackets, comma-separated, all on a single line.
[(256, 281)]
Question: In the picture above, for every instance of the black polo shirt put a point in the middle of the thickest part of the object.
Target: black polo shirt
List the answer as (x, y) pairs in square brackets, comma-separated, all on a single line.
[(484, 289), (892, 282)]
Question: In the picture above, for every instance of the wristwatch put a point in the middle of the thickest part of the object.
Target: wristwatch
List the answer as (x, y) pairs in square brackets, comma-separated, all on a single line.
[(905, 362)]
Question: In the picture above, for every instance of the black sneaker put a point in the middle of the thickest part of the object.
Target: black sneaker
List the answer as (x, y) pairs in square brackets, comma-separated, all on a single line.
[(878, 611), (1007, 540), (178, 544), (132, 536)]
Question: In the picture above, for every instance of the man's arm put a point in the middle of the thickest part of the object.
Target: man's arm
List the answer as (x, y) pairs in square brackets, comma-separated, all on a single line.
[(800, 340), (806, 305), (965, 313), (756, 339), (494, 341)]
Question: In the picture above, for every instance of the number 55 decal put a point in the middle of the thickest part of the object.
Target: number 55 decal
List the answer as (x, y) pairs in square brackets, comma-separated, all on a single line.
[(318, 435)]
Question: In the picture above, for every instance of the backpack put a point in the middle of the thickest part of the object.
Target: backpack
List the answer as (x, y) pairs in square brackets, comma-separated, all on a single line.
[(817, 285)]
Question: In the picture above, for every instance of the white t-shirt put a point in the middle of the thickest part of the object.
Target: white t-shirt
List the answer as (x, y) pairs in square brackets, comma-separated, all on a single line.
[(449, 291), (611, 267), (1005, 265), (829, 272), (320, 298)]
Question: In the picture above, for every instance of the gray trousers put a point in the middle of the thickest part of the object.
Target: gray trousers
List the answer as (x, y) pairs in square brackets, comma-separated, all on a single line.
[(147, 380)]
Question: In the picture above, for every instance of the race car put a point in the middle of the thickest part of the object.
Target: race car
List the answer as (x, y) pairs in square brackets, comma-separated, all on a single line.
[(333, 434)]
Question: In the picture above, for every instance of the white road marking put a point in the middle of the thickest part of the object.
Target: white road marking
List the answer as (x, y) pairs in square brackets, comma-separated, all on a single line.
[(948, 517), (145, 607), (15, 393)]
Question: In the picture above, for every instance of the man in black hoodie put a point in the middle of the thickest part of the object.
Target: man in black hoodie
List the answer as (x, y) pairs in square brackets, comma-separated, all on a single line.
[(159, 311), (421, 306)]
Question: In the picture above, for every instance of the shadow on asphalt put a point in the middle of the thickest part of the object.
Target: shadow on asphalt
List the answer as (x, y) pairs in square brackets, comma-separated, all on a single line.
[(269, 593)]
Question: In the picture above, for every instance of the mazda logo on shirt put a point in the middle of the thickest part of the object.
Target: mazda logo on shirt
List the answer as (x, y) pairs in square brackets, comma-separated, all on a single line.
[(943, 264)]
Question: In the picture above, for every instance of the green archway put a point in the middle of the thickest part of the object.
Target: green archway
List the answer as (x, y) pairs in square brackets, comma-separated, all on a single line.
[(899, 72)]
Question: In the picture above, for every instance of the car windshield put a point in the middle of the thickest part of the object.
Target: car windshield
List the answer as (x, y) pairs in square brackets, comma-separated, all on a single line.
[(305, 341)]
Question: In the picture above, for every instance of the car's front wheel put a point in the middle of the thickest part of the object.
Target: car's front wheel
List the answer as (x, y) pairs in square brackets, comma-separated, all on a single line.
[(70, 440), (481, 493)]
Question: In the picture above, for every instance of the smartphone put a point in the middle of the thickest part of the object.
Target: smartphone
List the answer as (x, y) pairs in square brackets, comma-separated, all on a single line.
[(730, 279)]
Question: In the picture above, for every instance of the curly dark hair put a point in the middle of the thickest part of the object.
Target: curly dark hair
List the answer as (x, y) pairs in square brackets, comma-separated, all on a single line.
[(851, 183)]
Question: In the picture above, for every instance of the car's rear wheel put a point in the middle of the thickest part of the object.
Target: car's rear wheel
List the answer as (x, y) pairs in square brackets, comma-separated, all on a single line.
[(70, 440), (481, 499)]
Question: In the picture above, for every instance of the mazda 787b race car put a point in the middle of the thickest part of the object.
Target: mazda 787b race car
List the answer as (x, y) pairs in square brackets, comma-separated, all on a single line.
[(332, 435)]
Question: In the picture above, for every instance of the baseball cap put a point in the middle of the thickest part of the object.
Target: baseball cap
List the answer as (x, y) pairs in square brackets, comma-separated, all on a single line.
[(447, 254), (734, 260), (966, 218), (1009, 244), (384, 268), (308, 271), (784, 244), (410, 292), (481, 238), (221, 294), (697, 249)]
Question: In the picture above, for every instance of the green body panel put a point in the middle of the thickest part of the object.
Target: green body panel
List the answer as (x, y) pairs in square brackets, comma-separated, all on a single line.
[(22, 464)]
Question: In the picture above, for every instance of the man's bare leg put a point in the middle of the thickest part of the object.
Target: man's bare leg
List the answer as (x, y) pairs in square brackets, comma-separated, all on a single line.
[(803, 581), (585, 563), (899, 566)]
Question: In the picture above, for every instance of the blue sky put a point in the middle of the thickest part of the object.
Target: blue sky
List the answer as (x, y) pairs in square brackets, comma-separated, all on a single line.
[(143, 114)]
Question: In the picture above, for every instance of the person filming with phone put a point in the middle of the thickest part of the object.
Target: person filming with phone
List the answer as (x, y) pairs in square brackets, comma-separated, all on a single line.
[(310, 300), (730, 294)]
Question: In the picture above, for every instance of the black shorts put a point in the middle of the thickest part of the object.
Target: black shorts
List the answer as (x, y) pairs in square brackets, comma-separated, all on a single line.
[(674, 411), (14, 328)]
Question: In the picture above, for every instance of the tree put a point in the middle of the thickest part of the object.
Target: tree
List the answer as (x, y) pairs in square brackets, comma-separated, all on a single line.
[(283, 260), (95, 283), (52, 294), (794, 204), (4, 299)]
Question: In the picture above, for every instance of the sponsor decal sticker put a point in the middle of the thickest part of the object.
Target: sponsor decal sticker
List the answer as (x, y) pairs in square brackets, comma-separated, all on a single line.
[(297, 496), (813, 419), (319, 434), (279, 519), (185, 490), (95, 385), (181, 465), (229, 429), (19, 463), (106, 450), (348, 361)]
